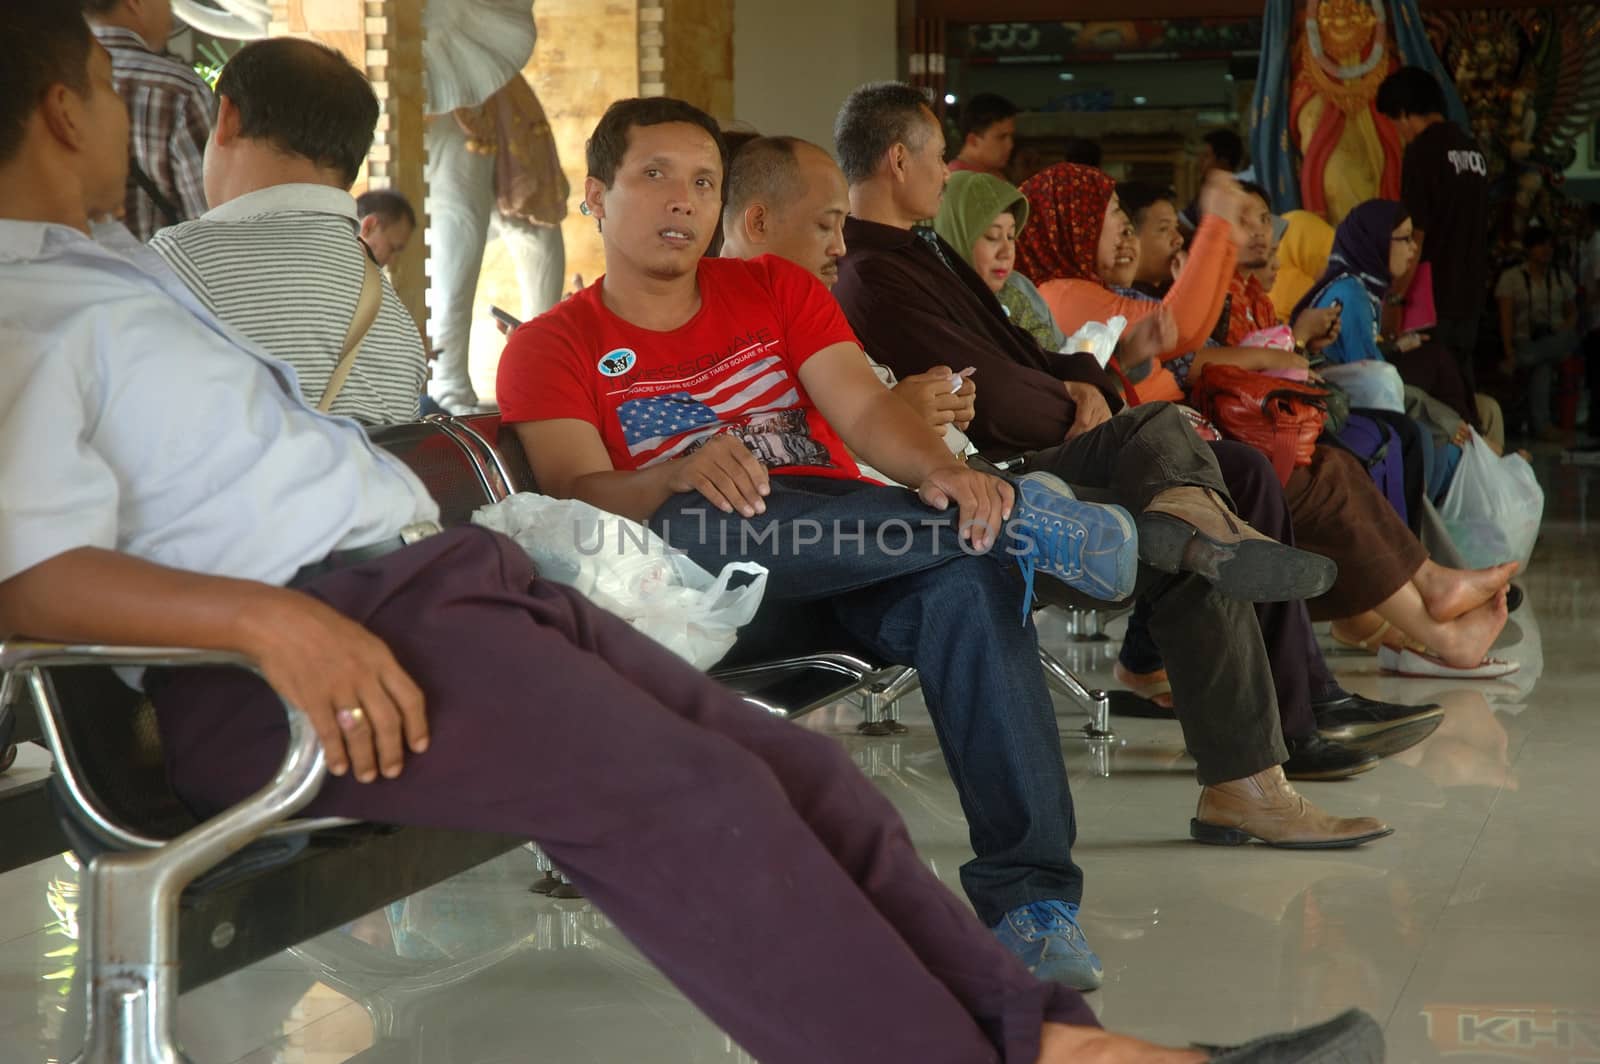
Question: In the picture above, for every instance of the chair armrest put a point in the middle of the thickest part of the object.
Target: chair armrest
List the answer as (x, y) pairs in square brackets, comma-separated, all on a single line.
[(299, 776)]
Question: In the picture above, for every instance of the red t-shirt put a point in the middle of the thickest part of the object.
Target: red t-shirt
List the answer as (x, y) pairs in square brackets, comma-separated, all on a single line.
[(654, 396)]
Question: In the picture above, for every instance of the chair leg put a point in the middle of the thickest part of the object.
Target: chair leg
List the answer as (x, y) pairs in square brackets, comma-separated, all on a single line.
[(880, 703), (1096, 703), (1086, 626), (553, 883)]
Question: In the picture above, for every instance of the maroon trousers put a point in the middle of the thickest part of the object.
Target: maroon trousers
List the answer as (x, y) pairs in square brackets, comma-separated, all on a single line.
[(749, 859)]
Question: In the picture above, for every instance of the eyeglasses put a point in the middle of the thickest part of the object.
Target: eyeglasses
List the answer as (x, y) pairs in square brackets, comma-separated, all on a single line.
[(1409, 238)]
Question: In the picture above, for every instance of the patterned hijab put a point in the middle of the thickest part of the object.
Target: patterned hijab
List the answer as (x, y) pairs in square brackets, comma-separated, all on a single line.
[(1069, 212)]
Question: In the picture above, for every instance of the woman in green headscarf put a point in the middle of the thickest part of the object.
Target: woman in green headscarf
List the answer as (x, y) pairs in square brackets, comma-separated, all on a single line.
[(980, 217)]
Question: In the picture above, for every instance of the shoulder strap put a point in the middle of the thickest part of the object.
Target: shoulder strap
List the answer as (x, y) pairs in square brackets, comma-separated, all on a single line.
[(147, 185), (366, 313)]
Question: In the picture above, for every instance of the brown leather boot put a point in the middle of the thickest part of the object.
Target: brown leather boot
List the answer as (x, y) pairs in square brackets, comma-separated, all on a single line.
[(1191, 529), (1266, 807)]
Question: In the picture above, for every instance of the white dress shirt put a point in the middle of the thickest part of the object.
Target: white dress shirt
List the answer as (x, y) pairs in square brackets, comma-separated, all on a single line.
[(131, 419), (283, 266)]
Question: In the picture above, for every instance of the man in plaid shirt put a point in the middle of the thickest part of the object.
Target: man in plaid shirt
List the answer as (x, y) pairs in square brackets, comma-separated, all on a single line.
[(171, 111)]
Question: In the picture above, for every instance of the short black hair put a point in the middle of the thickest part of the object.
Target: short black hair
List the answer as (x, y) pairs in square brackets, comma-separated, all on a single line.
[(1537, 236), (304, 98), (1228, 148), (1410, 91), (983, 111), (765, 168), (389, 205), (1137, 197), (1083, 151), (45, 42), (609, 141), (873, 119), (1253, 189)]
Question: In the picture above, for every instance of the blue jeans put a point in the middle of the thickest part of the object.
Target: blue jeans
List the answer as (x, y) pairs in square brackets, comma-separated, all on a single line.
[(1540, 358), (899, 581)]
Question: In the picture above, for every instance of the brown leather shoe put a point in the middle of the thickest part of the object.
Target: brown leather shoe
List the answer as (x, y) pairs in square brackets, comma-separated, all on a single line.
[(1191, 529), (1266, 807)]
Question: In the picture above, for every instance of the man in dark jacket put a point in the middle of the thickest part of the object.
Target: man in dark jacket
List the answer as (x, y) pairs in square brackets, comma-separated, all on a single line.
[(911, 299)]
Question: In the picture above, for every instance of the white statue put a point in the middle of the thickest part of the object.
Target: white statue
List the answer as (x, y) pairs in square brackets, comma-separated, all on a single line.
[(473, 52)]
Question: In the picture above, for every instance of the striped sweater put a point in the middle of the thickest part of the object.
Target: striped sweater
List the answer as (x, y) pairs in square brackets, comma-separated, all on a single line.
[(283, 267)]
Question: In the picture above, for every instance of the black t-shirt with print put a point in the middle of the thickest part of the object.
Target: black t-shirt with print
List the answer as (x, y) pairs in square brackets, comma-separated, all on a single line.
[(1445, 185)]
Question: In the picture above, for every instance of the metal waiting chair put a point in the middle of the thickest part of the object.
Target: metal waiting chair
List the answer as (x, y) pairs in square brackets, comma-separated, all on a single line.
[(777, 678)]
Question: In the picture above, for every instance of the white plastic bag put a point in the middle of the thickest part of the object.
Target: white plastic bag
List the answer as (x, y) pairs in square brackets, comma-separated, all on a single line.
[(1371, 384), (1098, 338), (1493, 507), (624, 567)]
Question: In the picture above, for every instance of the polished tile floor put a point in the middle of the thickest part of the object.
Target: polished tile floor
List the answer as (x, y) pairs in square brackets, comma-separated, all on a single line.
[(1473, 933)]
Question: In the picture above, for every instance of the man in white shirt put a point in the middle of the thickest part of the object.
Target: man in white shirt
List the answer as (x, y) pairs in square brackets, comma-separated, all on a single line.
[(1538, 324), (277, 256), (164, 480)]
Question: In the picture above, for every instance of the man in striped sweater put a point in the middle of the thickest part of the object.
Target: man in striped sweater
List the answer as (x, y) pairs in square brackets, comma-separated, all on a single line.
[(278, 257)]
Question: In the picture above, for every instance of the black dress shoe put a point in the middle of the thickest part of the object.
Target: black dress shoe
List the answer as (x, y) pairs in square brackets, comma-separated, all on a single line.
[(1351, 1038), (1317, 758), (1391, 741), (1354, 717), (1513, 598)]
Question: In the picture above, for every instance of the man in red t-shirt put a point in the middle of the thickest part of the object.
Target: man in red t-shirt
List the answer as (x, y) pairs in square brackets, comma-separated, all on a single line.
[(680, 390), (691, 393)]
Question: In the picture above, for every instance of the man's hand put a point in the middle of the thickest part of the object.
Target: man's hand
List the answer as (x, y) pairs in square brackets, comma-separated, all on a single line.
[(1317, 327), (1092, 409), (940, 396), (984, 502), (726, 473), (1148, 338), (362, 704)]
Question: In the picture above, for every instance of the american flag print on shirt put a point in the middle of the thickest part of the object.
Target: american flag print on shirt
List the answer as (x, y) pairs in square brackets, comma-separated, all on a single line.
[(739, 394)]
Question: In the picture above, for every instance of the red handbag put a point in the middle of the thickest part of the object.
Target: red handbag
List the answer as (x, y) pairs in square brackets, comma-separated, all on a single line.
[(1282, 419)]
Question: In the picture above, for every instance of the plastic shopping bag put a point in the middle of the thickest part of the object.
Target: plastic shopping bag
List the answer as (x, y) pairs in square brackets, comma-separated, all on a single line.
[(625, 568), (1371, 384), (1493, 507)]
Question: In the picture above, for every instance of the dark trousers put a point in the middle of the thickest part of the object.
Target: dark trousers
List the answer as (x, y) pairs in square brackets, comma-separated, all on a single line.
[(1289, 642), (1459, 335), (1222, 673), (749, 859), (898, 580)]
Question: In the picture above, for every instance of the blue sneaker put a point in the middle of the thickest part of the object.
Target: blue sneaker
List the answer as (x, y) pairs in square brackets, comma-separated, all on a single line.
[(1046, 937), (1089, 546)]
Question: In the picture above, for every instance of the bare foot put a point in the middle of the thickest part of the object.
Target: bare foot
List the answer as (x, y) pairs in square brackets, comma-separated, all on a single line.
[(1451, 593), (1465, 641), (1061, 1044)]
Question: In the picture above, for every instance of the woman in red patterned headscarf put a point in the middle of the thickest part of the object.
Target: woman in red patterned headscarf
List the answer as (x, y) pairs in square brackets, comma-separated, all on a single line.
[(1079, 249)]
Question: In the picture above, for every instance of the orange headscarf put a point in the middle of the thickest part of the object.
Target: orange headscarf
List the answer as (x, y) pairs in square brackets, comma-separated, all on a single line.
[(1067, 205)]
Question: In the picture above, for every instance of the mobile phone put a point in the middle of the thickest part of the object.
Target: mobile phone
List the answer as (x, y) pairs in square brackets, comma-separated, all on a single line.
[(504, 318)]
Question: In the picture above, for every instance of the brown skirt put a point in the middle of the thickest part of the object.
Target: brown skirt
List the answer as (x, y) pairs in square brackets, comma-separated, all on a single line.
[(1339, 513)]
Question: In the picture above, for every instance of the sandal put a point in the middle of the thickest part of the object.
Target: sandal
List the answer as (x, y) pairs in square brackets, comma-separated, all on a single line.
[(1428, 665), (1376, 642), (1150, 686)]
